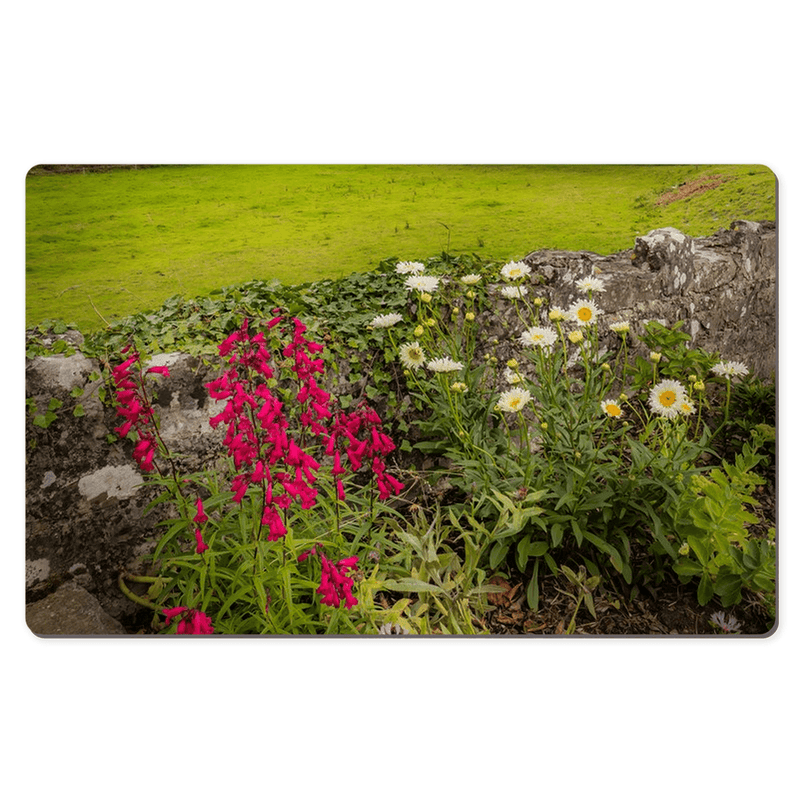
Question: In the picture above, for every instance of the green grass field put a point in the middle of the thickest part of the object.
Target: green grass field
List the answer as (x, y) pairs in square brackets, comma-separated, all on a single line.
[(110, 244)]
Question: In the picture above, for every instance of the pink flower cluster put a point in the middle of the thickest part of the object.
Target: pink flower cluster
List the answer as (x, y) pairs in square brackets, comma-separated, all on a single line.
[(258, 439), (372, 448), (135, 408), (267, 439), (335, 585), (192, 621)]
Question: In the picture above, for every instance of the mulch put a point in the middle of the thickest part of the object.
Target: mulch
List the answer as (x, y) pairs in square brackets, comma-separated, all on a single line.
[(671, 610)]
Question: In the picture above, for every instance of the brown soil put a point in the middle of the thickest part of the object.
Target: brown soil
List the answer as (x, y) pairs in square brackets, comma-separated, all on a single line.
[(691, 189), (672, 609)]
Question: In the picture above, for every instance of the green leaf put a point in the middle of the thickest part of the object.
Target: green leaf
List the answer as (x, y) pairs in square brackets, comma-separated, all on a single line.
[(532, 592), (79, 411), (687, 567), (700, 548), (411, 585), (729, 589), (705, 591), (498, 554), (556, 534), (523, 553), (576, 530)]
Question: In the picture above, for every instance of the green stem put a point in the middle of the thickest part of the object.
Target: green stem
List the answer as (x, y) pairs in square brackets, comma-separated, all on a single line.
[(135, 597)]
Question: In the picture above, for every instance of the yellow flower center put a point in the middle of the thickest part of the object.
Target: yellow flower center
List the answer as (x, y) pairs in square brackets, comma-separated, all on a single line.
[(584, 314), (667, 398), (515, 402), (613, 410)]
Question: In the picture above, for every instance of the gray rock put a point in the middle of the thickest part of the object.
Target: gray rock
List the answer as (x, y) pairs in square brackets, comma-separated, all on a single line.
[(70, 611)]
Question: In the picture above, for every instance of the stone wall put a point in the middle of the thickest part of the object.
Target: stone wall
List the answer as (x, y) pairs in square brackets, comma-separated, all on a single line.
[(85, 504), (722, 286)]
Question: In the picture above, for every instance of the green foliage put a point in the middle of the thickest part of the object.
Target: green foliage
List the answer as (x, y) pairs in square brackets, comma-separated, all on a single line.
[(247, 584), (677, 360), (449, 590), (712, 519), (583, 586)]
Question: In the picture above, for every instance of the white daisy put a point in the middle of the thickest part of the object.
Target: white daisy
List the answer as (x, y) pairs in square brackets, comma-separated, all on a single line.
[(444, 365), (409, 267), (514, 270), (385, 320), (584, 312), (590, 285), (422, 283), (730, 369), (512, 377), (611, 408), (557, 314), (620, 327), (541, 337), (470, 280), (513, 292), (666, 398), (412, 355), (514, 400), (686, 407)]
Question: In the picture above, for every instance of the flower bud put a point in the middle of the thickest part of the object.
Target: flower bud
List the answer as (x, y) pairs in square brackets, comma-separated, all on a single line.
[(655, 357), (469, 316), (425, 297), (575, 336), (419, 330)]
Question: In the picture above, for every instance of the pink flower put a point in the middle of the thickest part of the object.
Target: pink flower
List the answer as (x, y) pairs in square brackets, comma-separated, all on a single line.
[(160, 371), (201, 545), (196, 622), (173, 612), (193, 621), (200, 517), (335, 585), (303, 556), (272, 518)]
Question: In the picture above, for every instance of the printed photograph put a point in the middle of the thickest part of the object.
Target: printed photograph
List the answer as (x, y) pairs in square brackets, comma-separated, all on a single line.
[(401, 400)]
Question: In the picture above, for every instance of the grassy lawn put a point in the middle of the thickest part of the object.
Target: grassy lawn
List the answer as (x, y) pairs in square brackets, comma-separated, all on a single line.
[(123, 241)]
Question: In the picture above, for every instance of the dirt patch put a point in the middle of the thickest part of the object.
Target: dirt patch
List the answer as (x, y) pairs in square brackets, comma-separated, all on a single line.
[(692, 188), (671, 609)]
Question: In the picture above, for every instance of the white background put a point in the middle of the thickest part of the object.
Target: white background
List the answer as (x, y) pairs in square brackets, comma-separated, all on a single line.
[(417, 82)]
